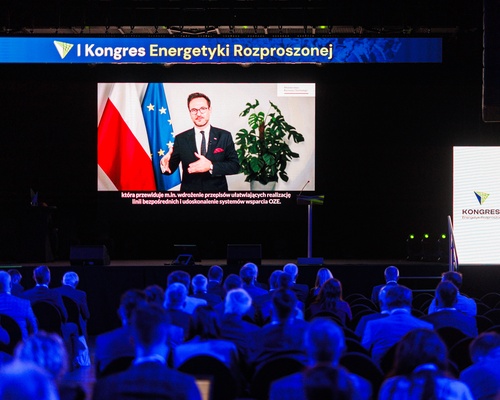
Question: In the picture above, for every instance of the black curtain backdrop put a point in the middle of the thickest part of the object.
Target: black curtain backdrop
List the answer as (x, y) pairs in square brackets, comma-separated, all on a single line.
[(384, 133)]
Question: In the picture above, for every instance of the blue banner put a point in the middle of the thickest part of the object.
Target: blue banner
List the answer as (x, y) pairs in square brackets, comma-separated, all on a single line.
[(219, 50)]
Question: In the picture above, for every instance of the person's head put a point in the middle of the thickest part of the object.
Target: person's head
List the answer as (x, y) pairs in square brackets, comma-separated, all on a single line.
[(215, 273), (331, 291), (285, 281), (71, 279), (237, 301), (454, 277), (200, 109), (41, 275), (284, 302), (232, 281), (324, 341), (155, 294), (418, 347), (204, 323), (15, 275), (175, 296), (27, 381), (292, 270), (255, 269), (46, 350), (128, 301), (247, 274), (486, 344), (5, 282), (398, 296), (446, 294), (179, 276), (322, 276), (199, 283), (391, 274), (149, 327), (274, 279)]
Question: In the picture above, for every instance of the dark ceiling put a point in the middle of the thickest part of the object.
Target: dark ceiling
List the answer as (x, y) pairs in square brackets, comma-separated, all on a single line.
[(212, 17)]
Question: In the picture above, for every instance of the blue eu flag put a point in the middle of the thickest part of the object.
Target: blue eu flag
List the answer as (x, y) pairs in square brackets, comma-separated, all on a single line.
[(160, 133)]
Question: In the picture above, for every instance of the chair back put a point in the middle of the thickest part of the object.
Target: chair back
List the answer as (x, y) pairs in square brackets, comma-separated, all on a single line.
[(15, 333), (73, 313), (364, 366), (270, 371), (48, 317), (226, 385)]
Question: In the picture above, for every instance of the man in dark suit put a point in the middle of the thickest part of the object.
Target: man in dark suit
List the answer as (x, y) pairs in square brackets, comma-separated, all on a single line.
[(325, 344), (207, 153), (17, 308), (301, 290), (199, 283), (391, 275), (16, 278), (284, 335), (116, 343), (68, 288), (446, 314), (148, 376), (215, 276)]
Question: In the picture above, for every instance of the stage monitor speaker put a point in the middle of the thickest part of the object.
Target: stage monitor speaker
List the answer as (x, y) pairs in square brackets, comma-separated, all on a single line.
[(239, 254), (192, 249), (89, 255)]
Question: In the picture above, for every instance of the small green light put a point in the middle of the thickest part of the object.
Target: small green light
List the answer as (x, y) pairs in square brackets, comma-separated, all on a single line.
[(412, 236), (245, 27), (443, 236), (322, 27), (426, 236)]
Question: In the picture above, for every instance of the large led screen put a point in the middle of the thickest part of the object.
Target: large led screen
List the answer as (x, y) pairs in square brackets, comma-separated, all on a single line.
[(476, 204)]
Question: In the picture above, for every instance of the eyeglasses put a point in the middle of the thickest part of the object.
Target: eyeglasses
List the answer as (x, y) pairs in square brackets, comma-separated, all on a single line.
[(201, 110)]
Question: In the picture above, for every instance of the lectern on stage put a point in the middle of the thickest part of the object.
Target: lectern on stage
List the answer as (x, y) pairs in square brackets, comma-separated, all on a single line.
[(310, 201)]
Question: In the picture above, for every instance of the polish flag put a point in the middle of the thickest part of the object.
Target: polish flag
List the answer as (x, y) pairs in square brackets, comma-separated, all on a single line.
[(123, 152)]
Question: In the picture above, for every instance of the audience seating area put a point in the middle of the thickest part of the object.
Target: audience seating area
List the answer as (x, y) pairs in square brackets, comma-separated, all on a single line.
[(225, 382)]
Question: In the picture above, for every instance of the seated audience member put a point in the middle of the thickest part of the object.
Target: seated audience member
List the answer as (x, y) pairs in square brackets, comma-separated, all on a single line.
[(322, 276), (330, 299), (255, 269), (253, 314), (42, 293), (284, 335), (149, 375), (483, 376), (249, 278), (116, 343), (175, 297), (420, 370), (384, 312), (391, 275), (16, 278), (278, 279), (155, 294), (464, 303), (183, 277), (47, 350), (68, 288), (381, 334), (17, 308), (26, 381), (235, 329), (215, 276), (199, 283), (205, 339), (325, 344), (446, 315), (301, 290)]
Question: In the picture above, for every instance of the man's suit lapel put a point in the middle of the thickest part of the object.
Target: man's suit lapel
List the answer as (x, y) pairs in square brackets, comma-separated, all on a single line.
[(192, 141), (212, 142)]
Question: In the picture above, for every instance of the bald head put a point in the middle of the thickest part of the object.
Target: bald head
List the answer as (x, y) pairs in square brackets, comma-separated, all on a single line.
[(4, 282), (391, 274)]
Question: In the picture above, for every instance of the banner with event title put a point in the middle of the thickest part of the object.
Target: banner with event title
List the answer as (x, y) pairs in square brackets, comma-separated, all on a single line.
[(221, 50)]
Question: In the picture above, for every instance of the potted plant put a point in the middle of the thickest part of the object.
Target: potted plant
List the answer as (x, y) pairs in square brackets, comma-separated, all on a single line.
[(263, 150)]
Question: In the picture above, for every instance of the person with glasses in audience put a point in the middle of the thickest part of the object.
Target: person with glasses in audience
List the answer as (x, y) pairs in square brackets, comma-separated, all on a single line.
[(207, 153)]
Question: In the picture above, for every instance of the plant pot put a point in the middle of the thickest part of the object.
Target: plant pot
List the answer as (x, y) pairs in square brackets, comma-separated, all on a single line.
[(256, 186)]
